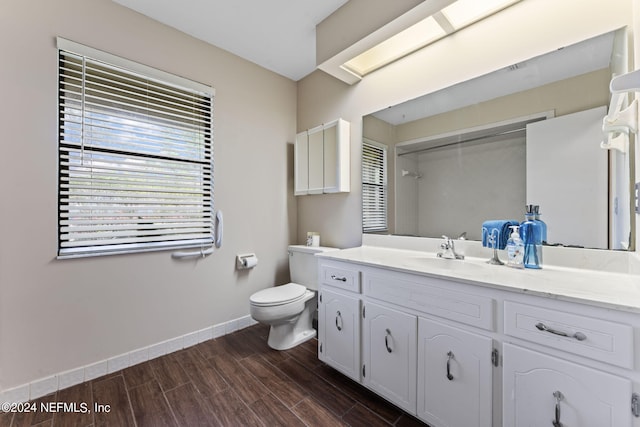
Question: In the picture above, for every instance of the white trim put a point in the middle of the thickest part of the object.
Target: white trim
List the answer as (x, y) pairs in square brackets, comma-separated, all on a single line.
[(138, 356), (118, 363), (375, 143), (70, 378), (92, 371), (16, 394), (44, 386), (141, 69)]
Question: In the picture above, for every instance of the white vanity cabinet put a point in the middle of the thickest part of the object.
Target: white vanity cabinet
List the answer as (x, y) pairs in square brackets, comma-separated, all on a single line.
[(389, 346), (456, 352), (543, 390), (437, 349), (321, 159), (539, 386), (455, 376), (339, 332), (339, 320)]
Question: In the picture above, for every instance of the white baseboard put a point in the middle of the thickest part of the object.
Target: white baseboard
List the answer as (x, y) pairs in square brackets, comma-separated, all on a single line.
[(62, 380)]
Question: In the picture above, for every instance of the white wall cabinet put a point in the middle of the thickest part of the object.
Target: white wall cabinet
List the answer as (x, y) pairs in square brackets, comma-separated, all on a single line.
[(542, 390), (321, 159), (336, 148), (301, 163), (316, 160), (455, 376), (389, 344)]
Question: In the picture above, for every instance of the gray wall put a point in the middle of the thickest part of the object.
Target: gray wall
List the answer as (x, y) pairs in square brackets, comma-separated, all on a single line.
[(57, 315)]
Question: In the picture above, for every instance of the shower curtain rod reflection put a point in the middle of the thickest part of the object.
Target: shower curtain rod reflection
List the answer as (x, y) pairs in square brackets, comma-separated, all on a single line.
[(464, 141)]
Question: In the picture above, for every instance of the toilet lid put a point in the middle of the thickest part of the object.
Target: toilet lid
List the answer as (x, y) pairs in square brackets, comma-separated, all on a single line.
[(278, 295)]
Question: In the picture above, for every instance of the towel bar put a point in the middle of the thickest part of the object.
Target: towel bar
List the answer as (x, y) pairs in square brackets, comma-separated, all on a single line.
[(190, 254)]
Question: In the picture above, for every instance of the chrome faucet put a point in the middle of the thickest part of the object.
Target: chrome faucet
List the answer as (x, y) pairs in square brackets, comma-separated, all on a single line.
[(448, 249)]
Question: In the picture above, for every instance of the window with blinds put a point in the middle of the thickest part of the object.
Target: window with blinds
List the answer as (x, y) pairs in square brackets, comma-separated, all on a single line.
[(135, 157), (374, 187)]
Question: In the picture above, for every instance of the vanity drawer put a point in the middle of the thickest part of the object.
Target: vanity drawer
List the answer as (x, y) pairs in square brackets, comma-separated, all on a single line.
[(598, 339), (340, 276), (431, 296)]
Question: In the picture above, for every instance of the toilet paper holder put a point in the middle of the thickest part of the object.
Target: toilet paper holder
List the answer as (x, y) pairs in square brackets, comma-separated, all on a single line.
[(246, 261)]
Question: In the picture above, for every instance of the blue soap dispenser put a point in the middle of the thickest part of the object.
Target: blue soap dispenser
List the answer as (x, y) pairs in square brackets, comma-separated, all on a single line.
[(515, 249), (532, 237)]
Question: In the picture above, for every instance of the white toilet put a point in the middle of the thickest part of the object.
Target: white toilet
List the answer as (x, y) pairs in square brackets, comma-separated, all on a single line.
[(289, 308)]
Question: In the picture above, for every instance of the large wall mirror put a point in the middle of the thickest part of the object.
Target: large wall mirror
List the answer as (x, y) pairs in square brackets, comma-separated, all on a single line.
[(483, 149)]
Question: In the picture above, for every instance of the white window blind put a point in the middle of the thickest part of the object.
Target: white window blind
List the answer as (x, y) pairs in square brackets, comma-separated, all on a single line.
[(374, 187), (135, 158)]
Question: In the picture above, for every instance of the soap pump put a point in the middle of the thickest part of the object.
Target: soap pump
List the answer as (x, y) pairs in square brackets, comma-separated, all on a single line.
[(515, 249)]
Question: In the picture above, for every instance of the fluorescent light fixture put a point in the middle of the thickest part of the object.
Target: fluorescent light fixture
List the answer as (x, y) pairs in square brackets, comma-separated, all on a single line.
[(450, 19), (408, 41)]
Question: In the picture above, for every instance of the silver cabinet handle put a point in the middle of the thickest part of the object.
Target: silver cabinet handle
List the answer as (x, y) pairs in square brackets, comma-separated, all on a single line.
[(559, 396), (449, 357), (339, 317), (386, 340), (341, 279), (578, 335)]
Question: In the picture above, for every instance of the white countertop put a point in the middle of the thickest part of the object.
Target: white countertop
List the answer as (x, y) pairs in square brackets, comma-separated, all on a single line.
[(615, 290)]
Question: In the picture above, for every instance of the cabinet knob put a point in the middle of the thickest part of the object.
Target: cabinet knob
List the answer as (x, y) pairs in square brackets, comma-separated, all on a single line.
[(559, 397), (386, 341), (338, 278), (449, 357), (339, 321)]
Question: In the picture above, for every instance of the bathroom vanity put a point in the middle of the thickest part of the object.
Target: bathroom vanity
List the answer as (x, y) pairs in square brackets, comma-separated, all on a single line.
[(464, 343)]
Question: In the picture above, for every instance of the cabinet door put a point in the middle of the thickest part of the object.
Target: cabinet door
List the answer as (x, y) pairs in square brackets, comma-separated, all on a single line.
[(316, 160), (339, 332), (301, 164), (455, 376), (538, 386), (390, 354), (336, 156)]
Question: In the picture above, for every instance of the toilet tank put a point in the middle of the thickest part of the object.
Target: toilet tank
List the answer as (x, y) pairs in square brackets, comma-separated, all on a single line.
[(303, 265)]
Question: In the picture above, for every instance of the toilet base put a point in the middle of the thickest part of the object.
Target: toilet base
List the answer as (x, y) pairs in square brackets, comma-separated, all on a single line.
[(282, 338), (296, 330)]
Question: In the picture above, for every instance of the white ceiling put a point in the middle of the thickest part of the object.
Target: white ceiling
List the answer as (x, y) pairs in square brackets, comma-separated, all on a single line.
[(279, 35)]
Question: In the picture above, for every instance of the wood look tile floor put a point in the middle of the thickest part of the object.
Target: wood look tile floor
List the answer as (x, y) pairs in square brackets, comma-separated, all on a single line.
[(235, 380)]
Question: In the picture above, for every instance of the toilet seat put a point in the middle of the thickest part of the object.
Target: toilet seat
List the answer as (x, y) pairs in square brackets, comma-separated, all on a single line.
[(278, 295)]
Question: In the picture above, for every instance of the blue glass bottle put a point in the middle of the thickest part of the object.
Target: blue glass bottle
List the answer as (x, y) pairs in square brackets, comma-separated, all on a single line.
[(543, 230), (532, 237)]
